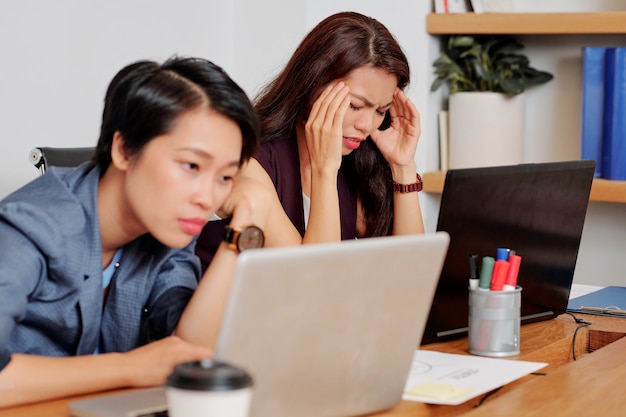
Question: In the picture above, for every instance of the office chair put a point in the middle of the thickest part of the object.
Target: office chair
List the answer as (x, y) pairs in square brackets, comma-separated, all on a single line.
[(43, 157)]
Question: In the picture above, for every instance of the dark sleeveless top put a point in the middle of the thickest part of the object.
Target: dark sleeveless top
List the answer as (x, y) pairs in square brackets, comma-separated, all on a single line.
[(280, 159)]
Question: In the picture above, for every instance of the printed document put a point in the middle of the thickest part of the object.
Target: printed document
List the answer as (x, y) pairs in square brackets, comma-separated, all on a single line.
[(452, 379)]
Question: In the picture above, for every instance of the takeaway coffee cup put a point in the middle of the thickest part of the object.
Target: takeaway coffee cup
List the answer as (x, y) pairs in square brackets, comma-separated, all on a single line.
[(494, 322), (208, 389)]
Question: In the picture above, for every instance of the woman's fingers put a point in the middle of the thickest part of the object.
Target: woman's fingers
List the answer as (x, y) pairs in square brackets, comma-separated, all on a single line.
[(325, 108), (324, 128), (399, 143), (151, 364)]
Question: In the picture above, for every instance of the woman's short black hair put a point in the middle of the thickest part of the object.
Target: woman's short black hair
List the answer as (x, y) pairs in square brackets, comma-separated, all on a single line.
[(145, 98)]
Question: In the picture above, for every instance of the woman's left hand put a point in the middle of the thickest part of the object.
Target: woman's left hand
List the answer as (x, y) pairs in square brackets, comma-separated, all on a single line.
[(398, 143), (249, 202)]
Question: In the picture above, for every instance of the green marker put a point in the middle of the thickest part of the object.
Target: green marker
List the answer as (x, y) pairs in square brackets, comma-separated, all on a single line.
[(485, 273)]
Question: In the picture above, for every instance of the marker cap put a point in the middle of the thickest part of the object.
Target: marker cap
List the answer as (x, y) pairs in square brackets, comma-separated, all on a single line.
[(486, 270), (511, 277), (502, 254), (500, 269)]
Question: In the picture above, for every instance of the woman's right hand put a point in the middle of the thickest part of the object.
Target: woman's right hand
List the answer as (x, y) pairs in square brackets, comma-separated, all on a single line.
[(151, 364), (146, 366), (324, 127)]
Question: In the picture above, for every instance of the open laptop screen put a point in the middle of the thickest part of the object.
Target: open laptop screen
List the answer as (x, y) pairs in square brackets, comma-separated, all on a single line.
[(538, 210)]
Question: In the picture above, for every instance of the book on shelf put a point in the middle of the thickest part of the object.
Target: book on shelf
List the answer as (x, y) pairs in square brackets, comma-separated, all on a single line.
[(451, 6), (443, 140), (609, 68), (592, 105), (547, 6), (614, 123), (477, 6), (603, 110)]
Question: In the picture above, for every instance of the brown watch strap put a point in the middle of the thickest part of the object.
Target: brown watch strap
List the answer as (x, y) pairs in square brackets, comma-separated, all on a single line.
[(409, 188), (230, 237)]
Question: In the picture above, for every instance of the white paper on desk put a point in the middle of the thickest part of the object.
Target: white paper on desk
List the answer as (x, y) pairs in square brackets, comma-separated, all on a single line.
[(446, 378)]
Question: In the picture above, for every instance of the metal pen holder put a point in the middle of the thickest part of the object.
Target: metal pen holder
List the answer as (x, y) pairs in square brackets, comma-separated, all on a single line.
[(494, 322)]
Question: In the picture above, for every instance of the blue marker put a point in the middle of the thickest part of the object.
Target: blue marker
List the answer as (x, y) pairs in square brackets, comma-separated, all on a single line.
[(502, 254)]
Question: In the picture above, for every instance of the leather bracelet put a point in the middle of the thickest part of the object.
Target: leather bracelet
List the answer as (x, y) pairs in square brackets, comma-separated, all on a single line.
[(408, 188)]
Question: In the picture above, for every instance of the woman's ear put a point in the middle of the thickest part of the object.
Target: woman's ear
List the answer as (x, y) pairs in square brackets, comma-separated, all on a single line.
[(120, 158)]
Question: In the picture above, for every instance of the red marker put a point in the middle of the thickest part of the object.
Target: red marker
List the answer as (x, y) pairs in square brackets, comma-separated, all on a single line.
[(511, 277), (500, 269)]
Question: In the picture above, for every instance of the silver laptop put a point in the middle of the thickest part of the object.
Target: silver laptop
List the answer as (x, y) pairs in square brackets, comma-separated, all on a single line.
[(327, 329)]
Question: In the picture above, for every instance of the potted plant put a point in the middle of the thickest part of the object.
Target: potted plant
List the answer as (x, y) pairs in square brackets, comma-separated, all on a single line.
[(486, 76)]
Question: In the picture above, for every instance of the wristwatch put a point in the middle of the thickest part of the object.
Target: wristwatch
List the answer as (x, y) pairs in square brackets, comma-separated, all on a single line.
[(418, 185), (248, 237)]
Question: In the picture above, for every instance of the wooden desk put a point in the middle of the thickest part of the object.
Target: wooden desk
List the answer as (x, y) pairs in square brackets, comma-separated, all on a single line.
[(590, 386), (568, 386)]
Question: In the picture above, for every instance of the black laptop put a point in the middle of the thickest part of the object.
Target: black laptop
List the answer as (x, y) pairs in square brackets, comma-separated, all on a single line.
[(538, 210)]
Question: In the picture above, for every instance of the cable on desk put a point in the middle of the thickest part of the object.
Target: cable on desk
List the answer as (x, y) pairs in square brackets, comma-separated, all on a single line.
[(490, 393), (487, 395), (582, 323)]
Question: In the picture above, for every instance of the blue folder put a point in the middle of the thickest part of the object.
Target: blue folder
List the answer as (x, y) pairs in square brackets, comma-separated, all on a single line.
[(609, 301), (593, 105)]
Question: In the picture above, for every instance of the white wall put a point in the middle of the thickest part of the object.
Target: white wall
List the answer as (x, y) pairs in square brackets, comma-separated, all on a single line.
[(58, 57)]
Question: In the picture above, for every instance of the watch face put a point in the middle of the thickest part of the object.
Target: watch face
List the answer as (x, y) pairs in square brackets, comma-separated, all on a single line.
[(250, 238)]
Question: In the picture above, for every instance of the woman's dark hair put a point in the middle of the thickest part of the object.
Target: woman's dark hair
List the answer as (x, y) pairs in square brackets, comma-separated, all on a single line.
[(145, 98), (336, 46)]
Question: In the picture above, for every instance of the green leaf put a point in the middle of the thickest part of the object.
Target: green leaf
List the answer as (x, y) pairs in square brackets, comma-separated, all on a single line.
[(485, 63)]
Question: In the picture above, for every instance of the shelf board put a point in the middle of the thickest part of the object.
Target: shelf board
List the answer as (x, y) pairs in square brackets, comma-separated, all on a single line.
[(602, 190), (433, 181), (608, 191), (527, 23)]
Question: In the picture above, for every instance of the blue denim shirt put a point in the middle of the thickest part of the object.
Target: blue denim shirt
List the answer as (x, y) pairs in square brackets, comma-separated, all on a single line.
[(51, 296)]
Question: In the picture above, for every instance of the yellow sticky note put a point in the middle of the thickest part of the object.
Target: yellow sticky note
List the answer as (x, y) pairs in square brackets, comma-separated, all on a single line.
[(439, 391)]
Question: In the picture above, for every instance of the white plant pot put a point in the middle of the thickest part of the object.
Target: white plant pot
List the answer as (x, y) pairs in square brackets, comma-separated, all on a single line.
[(486, 129)]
